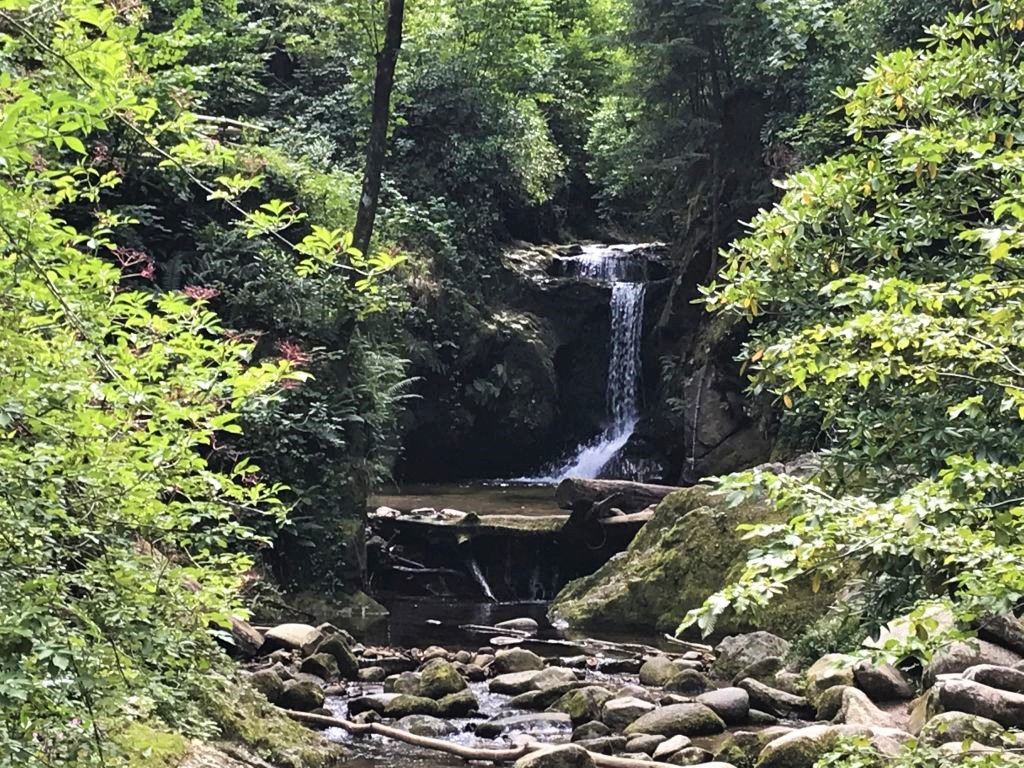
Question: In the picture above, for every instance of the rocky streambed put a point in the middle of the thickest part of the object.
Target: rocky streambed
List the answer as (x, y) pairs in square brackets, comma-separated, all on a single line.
[(547, 702)]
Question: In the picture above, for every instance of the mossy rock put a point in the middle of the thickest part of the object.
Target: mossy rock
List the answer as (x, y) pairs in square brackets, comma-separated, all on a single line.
[(690, 549), (583, 705), (143, 745), (404, 705), (438, 678)]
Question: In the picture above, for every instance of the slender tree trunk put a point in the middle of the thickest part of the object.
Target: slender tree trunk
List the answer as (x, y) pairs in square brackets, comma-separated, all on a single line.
[(376, 149)]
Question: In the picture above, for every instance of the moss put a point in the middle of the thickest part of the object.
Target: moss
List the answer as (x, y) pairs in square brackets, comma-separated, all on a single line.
[(143, 746), (688, 550)]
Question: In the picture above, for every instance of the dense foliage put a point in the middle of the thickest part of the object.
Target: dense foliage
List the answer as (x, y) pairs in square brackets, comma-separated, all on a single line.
[(886, 299)]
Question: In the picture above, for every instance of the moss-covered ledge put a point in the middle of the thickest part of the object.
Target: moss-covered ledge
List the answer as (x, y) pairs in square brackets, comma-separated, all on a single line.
[(687, 551)]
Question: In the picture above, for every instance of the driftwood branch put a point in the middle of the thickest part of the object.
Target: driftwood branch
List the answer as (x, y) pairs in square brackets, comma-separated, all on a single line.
[(481, 754)]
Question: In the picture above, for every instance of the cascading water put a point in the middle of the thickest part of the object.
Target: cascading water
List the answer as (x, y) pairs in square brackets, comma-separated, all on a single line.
[(626, 275)]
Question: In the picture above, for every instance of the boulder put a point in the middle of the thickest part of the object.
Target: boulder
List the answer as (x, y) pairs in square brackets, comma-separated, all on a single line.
[(739, 651), (375, 703), (637, 692), (405, 682), (515, 660), (743, 747), (764, 670), (690, 756), (292, 637), (337, 646), (688, 682), (460, 704), (372, 675), (1006, 630), (301, 695), (683, 554), (960, 726), (246, 640), (583, 704), (730, 704), (803, 748), (438, 678), (644, 743), (830, 702), (267, 683), (320, 664), (776, 702), (535, 724), (535, 701), (882, 682), (855, 708), (671, 745), (957, 657), (620, 712), (657, 671), (592, 730), (1005, 707), (678, 719), (604, 745), (1006, 678), (533, 680), (426, 725), (404, 705), (828, 671), (565, 756)]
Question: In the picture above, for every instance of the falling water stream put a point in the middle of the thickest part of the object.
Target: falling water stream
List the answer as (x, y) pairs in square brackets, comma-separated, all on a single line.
[(626, 274)]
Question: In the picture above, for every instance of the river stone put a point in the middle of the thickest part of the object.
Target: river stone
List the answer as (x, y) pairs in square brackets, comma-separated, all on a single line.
[(374, 703), (763, 669), (618, 713), (776, 702), (958, 726), (757, 717), (404, 705), (688, 682), (583, 704), (292, 637), (438, 678), (690, 756), (803, 747), (338, 647), (685, 719), (730, 704), (459, 704), (635, 691), (534, 723), (957, 657), (828, 671), (1006, 678), (320, 664), (426, 725), (645, 743), (515, 660), (1006, 630), (301, 695), (434, 652), (739, 651), (592, 730), (657, 671), (532, 680), (565, 756), (855, 708), (524, 624), (605, 745), (743, 747), (1005, 707), (372, 675), (535, 701), (671, 745), (830, 702), (406, 682), (882, 682), (267, 683)]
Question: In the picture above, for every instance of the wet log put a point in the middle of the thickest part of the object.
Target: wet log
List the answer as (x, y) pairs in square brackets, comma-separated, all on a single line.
[(482, 754), (575, 493)]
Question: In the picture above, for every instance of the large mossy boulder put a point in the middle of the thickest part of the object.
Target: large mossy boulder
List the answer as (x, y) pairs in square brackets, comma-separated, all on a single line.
[(686, 552)]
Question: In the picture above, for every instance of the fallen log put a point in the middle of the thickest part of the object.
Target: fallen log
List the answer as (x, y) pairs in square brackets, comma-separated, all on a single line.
[(481, 754), (577, 493)]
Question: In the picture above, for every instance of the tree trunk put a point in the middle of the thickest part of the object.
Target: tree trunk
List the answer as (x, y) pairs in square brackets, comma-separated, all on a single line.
[(376, 148), (575, 493)]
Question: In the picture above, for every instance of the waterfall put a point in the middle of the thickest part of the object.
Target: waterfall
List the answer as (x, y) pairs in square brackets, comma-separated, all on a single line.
[(626, 275), (478, 575)]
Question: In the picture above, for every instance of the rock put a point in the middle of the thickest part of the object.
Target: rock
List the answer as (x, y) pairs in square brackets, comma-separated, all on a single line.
[(605, 745), (828, 671), (247, 641), (644, 743), (459, 704), (474, 673), (637, 692), (620, 712), (958, 726), (375, 703), (425, 725), (267, 683), (671, 745), (776, 702), (292, 637), (1006, 630), (830, 702), (683, 554), (565, 756), (803, 747), (535, 701), (855, 708), (337, 646), (1006, 678), (533, 680), (730, 704), (743, 747), (592, 730), (372, 674), (368, 716), (689, 682), (1005, 707), (757, 717), (434, 652), (689, 756), (406, 682), (583, 704), (527, 625), (678, 719), (957, 657), (535, 724), (619, 666), (763, 669), (515, 660), (438, 678), (301, 695), (657, 671), (404, 705), (882, 682), (309, 678), (790, 682), (464, 657), (739, 651), (320, 664)]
